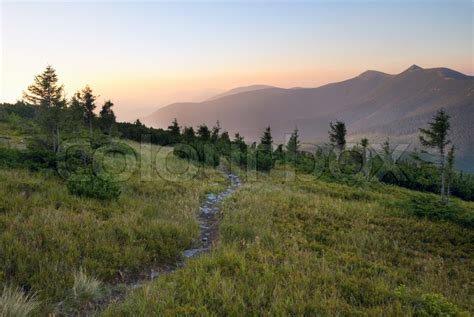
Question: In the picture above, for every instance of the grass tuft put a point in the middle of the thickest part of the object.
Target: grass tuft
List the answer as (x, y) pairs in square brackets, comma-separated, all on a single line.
[(86, 288), (15, 303)]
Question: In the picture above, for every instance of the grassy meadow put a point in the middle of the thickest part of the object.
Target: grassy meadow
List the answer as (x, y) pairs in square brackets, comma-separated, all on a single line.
[(64, 250), (308, 247)]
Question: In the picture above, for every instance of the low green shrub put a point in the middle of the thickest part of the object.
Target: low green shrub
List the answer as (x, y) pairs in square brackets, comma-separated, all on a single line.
[(204, 153), (33, 159), (92, 186), (434, 209), (428, 305)]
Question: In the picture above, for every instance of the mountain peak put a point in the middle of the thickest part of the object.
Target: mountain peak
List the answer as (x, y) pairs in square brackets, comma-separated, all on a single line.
[(413, 67), (372, 74)]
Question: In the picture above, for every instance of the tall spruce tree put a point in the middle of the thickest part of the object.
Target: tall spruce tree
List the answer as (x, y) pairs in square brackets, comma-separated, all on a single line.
[(76, 108), (88, 103), (293, 145), (174, 130), (436, 136), (266, 141), (224, 144), (107, 117), (337, 135), (239, 143), (215, 132), (265, 151), (46, 93)]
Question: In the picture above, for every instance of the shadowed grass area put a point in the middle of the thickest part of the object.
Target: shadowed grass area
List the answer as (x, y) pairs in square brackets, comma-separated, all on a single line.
[(308, 247), (47, 235)]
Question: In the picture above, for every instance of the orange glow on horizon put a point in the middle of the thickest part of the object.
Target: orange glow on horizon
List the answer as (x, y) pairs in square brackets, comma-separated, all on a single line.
[(138, 94)]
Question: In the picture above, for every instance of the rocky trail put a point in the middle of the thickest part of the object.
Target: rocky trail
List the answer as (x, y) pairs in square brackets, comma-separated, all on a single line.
[(208, 221), (208, 224)]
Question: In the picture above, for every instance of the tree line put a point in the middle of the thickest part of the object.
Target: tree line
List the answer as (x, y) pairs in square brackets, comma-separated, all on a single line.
[(208, 145)]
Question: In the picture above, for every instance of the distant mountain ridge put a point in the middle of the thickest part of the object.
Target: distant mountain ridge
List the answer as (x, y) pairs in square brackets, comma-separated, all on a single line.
[(373, 104), (239, 90)]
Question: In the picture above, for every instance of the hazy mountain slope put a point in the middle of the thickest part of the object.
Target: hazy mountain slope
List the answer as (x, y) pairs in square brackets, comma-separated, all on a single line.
[(250, 111), (373, 103), (239, 90)]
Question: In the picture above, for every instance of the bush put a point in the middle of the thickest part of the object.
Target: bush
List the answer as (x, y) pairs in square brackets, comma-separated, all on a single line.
[(428, 305), (436, 305), (15, 303), (92, 186), (432, 208), (33, 159), (205, 153)]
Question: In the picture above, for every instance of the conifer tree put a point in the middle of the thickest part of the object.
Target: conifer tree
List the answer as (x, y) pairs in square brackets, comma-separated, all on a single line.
[(293, 145), (75, 114), (88, 103), (76, 108), (174, 129), (107, 117), (204, 133), (337, 135), (215, 132), (265, 152), (239, 150), (224, 144), (239, 140), (436, 136), (46, 93), (224, 137), (240, 147), (266, 141), (278, 154), (189, 134)]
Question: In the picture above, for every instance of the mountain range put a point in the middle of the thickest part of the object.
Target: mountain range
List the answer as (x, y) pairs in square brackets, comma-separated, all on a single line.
[(374, 104)]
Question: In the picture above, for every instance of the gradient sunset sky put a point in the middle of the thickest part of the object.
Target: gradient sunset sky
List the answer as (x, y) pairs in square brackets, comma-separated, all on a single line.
[(147, 54)]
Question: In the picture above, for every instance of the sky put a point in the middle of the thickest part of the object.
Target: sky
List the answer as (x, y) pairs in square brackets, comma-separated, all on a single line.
[(144, 55)]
